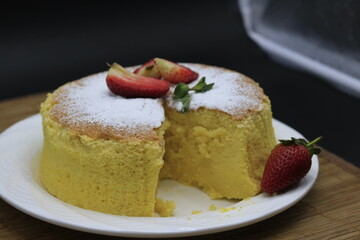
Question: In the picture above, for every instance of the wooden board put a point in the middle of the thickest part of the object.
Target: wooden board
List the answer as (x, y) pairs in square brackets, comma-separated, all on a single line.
[(331, 210)]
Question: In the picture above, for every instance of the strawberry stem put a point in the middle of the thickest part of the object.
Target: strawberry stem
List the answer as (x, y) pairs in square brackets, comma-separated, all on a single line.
[(313, 141)]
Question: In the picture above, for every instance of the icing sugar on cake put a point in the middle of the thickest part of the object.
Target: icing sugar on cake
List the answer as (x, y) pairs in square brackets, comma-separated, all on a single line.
[(88, 102), (88, 107), (233, 93)]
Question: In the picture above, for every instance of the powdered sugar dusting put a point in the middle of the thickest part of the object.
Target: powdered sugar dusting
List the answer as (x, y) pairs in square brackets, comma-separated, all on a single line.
[(89, 104), (89, 101), (231, 92)]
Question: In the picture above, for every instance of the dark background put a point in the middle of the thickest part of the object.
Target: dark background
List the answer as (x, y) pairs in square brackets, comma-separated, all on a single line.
[(45, 45)]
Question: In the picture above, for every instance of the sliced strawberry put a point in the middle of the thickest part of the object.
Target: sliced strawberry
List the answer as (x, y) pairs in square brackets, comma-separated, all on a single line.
[(124, 83), (149, 69), (175, 73)]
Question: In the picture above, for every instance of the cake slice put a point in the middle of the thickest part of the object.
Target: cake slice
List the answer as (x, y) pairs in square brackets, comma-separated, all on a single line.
[(221, 144), (100, 152)]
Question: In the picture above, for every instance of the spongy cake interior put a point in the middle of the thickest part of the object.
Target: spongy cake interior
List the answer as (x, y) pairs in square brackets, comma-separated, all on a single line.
[(222, 156)]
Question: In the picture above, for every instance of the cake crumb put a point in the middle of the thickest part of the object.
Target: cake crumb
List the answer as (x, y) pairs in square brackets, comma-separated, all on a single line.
[(212, 207), (196, 212), (224, 209), (165, 208)]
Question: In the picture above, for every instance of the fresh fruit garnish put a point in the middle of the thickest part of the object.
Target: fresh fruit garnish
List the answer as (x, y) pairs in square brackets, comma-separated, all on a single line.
[(181, 92), (173, 72), (148, 69), (287, 164), (124, 83)]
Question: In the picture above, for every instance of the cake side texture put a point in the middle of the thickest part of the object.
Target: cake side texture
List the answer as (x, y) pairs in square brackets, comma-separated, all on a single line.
[(110, 175)]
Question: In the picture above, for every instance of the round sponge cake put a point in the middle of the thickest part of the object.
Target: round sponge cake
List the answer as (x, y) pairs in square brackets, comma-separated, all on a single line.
[(107, 153)]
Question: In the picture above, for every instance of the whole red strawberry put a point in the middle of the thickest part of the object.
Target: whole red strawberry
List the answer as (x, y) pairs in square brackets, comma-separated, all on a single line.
[(288, 163)]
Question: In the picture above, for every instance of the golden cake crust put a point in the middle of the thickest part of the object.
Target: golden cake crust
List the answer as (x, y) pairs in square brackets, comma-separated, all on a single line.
[(60, 114)]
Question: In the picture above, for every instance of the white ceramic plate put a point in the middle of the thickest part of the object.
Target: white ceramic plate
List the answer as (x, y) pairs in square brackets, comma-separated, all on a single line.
[(20, 148)]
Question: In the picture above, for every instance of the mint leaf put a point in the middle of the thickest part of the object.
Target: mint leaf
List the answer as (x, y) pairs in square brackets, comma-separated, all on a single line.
[(186, 103), (180, 91), (205, 88), (201, 86)]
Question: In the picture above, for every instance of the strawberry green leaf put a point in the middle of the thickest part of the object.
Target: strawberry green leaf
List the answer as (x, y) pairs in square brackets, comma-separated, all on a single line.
[(314, 150), (287, 142), (301, 141)]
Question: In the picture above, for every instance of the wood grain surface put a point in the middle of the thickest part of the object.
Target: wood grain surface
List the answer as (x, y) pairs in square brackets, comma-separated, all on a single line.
[(331, 210)]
